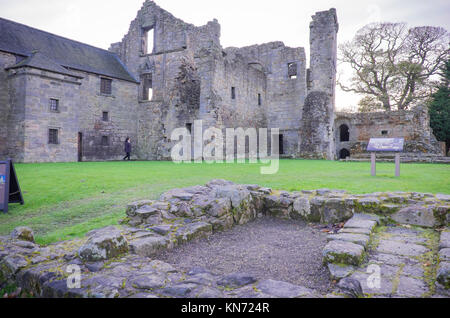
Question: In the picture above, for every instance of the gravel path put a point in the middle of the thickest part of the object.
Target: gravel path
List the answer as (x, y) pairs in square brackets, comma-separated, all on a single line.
[(267, 248)]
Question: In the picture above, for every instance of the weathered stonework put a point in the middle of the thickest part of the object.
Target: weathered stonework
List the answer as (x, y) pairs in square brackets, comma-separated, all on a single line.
[(191, 77), (412, 125), (120, 261)]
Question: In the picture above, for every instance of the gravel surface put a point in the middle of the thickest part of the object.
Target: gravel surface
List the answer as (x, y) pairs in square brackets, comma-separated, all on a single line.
[(267, 248)]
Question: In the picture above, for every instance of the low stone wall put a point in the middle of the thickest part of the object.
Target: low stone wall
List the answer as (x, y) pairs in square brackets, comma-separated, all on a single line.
[(116, 262)]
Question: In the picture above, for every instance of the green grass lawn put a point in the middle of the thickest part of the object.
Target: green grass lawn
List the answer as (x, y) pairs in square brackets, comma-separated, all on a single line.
[(66, 200)]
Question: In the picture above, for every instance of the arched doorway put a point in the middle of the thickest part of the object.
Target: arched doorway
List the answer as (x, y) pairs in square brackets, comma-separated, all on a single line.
[(344, 154), (344, 133)]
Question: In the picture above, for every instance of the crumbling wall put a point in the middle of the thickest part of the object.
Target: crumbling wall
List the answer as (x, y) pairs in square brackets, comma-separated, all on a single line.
[(269, 80), (316, 125), (180, 65), (413, 125), (284, 95), (321, 81)]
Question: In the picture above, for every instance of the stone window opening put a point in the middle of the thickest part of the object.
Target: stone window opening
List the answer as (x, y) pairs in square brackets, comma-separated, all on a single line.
[(292, 70), (344, 154), (281, 144), (233, 93), (105, 141), (53, 136), (344, 133), (259, 100), (148, 41), (189, 127), (147, 87), (105, 116), (385, 133), (54, 105), (106, 86)]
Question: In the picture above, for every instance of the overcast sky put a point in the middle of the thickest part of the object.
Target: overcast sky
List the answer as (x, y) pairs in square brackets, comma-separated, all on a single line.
[(244, 22)]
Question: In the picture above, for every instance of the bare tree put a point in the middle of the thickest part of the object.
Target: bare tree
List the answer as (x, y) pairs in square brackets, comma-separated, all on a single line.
[(395, 65), (369, 104)]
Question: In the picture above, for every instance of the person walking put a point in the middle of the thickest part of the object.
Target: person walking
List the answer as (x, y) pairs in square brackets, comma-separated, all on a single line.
[(127, 149)]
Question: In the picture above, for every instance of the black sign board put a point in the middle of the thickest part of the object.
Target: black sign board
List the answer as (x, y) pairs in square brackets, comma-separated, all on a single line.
[(9, 186)]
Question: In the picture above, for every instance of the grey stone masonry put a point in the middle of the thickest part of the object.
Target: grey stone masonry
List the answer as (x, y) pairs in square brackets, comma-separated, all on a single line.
[(166, 74), (120, 261)]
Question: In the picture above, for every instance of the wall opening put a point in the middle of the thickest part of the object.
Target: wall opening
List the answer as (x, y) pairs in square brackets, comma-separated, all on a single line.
[(80, 147), (281, 144), (148, 41), (344, 154), (54, 105), (105, 86), (147, 86), (53, 138), (105, 141), (233, 93), (292, 70), (344, 133), (189, 127), (105, 116), (259, 100), (385, 133)]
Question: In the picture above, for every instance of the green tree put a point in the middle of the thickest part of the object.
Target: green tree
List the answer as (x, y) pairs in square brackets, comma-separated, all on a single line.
[(440, 108)]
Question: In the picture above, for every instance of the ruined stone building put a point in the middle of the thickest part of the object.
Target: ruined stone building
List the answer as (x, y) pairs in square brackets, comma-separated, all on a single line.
[(61, 100)]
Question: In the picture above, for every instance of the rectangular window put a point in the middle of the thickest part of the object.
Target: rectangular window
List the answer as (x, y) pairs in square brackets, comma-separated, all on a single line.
[(54, 105), (281, 144), (106, 86), (233, 93), (53, 136), (384, 132), (292, 70), (189, 128), (147, 86), (148, 41), (105, 141), (259, 100), (105, 116)]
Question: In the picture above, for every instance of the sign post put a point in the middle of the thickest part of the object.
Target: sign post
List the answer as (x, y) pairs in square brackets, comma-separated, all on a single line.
[(373, 158), (397, 165), (386, 145), (9, 186)]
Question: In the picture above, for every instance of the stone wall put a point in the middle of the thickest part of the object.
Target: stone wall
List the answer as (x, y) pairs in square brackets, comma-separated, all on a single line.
[(122, 262), (321, 79), (192, 78), (413, 125), (6, 60), (81, 107), (16, 118), (260, 69), (122, 108)]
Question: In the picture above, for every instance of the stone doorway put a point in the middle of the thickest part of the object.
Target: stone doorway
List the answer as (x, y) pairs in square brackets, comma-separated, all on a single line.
[(344, 154)]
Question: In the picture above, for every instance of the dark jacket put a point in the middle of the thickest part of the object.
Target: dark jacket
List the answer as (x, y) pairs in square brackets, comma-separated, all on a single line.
[(127, 147)]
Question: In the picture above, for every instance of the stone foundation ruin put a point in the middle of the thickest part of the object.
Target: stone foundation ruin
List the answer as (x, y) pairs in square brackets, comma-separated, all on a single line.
[(405, 234)]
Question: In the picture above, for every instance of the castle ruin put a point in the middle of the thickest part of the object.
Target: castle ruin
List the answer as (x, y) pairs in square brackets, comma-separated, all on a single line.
[(64, 101)]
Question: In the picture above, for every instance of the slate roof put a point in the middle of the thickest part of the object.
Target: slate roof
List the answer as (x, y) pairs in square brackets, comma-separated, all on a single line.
[(57, 51), (40, 61)]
